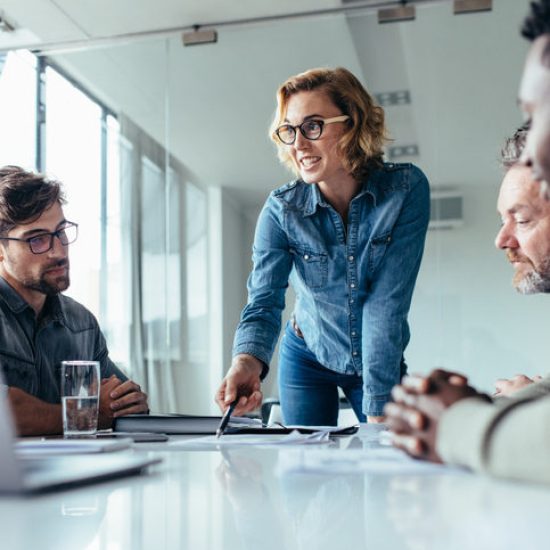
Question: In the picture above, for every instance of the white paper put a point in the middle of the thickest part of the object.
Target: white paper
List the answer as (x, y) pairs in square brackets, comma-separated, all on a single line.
[(293, 438), (355, 461), (36, 447)]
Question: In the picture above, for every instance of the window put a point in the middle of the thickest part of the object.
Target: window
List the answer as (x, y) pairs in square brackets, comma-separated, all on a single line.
[(73, 154), (18, 109), (196, 274), (138, 262)]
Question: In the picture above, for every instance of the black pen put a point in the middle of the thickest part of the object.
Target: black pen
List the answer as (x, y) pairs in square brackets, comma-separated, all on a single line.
[(225, 418)]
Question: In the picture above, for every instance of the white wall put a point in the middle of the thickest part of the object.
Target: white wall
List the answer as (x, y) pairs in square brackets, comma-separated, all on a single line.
[(466, 316)]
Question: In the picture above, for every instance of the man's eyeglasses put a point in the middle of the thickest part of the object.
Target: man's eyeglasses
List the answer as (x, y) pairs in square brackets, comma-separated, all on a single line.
[(311, 129), (44, 241)]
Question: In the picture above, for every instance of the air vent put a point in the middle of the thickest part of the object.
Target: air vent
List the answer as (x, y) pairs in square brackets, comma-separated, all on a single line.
[(446, 209), (389, 99), (403, 151)]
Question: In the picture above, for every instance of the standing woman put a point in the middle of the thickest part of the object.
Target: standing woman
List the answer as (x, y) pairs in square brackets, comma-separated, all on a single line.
[(349, 235)]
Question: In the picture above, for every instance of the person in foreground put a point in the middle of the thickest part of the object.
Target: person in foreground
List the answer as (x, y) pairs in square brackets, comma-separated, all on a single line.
[(39, 326), (510, 437), (443, 419), (349, 235), (534, 99)]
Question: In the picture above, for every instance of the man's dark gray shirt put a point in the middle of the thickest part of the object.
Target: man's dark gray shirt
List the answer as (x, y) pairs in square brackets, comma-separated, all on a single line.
[(31, 350)]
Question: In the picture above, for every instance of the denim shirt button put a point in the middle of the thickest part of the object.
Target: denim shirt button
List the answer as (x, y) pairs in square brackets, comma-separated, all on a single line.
[(306, 257), (354, 353), (352, 285), (351, 258), (351, 301), (353, 333)]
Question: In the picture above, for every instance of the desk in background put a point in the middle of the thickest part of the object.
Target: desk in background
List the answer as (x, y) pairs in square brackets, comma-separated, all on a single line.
[(243, 499)]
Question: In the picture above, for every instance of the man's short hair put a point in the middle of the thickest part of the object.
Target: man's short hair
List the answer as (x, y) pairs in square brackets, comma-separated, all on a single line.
[(537, 22), (24, 196), (513, 147)]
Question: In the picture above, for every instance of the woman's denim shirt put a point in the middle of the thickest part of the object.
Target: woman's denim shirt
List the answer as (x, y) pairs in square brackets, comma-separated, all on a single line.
[(353, 284)]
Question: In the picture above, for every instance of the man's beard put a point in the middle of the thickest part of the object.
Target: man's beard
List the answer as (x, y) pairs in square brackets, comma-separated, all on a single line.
[(59, 284), (535, 281)]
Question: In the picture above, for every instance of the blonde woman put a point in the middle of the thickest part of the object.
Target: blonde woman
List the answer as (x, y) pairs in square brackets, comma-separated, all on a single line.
[(348, 234)]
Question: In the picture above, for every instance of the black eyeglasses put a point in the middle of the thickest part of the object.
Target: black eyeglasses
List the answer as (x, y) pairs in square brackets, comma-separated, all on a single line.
[(44, 241), (311, 129)]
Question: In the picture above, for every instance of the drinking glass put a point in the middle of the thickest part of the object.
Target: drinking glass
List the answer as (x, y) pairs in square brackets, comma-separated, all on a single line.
[(80, 381)]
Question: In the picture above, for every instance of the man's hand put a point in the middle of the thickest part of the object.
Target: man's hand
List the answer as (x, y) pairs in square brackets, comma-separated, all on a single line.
[(118, 398), (242, 381), (419, 403), (508, 386)]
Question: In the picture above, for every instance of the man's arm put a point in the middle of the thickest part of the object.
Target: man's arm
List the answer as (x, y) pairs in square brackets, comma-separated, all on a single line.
[(437, 420), (33, 416)]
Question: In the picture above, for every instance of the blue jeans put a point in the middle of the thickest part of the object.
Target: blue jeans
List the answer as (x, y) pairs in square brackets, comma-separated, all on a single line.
[(308, 392)]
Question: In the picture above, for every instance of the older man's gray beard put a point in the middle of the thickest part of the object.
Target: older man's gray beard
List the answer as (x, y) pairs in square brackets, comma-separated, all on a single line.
[(535, 281)]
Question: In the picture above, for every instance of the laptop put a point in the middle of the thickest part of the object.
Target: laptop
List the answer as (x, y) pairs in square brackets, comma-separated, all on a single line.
[(26, 475)]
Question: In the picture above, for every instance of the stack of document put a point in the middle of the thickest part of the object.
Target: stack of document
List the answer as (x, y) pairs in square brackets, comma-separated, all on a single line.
[(185, 424), (35, 447)]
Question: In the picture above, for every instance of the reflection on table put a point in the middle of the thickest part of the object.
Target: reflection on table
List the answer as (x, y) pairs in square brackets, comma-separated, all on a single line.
[(247, 498)]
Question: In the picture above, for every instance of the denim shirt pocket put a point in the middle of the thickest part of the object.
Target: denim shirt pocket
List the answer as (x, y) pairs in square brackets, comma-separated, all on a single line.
[(18, 373), (377, 249), (312, 266)]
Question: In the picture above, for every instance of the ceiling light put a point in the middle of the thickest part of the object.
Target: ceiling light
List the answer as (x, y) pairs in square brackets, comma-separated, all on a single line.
[(399, 13), (198, 36), (472, 6)]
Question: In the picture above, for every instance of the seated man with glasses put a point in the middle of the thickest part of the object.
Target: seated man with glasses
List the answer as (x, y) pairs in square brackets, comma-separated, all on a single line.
[(39, 326)]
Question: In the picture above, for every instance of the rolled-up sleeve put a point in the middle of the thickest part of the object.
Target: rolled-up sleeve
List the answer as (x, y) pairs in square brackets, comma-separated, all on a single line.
[(260, 321), (385, 329), (509, 439)]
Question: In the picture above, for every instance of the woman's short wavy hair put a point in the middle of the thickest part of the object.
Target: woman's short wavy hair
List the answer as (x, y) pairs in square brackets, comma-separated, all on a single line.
[(362, 145)]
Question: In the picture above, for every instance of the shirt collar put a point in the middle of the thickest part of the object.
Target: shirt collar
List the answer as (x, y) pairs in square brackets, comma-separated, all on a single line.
[(370, 186), (52, 305)]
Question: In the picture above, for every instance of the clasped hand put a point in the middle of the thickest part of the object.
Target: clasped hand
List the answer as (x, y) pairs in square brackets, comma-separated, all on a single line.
[(418, 404), (117, 398)]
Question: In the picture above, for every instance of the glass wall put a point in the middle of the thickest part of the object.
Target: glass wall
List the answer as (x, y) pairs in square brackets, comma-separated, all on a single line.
[(128, 195), (166, 158)]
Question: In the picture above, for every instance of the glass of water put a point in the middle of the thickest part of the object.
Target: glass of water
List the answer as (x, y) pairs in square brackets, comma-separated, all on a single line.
[(80, 381)]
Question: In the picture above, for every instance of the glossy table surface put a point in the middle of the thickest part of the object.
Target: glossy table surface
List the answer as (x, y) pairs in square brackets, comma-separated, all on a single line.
[(246, 498)]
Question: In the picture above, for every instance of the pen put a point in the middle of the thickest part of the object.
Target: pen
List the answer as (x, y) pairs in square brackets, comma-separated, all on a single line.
[(225, 418)]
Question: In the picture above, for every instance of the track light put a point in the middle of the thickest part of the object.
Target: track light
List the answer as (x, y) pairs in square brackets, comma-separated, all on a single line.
[(198, 36), (472, 6), (399, 13)]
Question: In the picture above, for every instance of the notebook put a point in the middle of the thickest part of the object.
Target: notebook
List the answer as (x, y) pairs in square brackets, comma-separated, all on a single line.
[(20, 475)]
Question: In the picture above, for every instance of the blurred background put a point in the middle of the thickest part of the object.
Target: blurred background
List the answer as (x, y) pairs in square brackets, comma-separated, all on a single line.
[(164, 153)]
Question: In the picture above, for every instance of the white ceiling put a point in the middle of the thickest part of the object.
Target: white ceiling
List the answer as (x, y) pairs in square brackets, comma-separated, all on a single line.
[(212, 104), (60, 20)]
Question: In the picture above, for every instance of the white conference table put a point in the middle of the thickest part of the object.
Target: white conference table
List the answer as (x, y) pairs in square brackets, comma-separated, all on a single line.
[(244, 498)]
